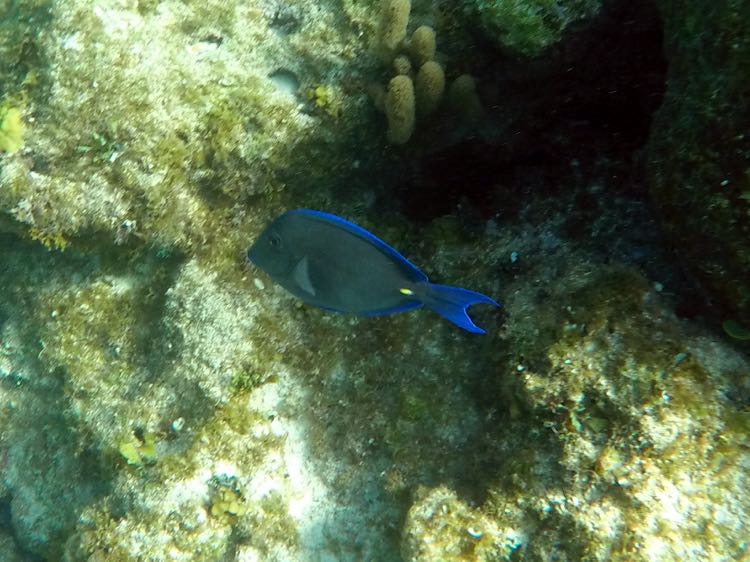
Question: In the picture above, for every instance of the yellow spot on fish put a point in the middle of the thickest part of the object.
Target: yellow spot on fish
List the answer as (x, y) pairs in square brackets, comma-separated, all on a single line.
[(405, 291)]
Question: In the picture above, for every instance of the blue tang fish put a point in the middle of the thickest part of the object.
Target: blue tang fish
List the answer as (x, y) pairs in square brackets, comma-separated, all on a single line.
[(334, 264)]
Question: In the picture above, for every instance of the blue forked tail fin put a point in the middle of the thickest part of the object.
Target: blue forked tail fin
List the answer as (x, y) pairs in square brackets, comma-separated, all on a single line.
[(451, 303)]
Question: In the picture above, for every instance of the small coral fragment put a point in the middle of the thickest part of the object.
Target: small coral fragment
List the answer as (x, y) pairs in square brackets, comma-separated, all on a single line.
[(52, 240), (324, 98), (138, 450), (226, 499), (11, 130)]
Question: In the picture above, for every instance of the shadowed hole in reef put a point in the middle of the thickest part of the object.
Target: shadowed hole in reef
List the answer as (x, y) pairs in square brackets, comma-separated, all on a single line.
[(590, 98)]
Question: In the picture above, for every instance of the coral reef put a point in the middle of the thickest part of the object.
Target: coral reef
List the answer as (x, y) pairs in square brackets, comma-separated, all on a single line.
[(161, 401)]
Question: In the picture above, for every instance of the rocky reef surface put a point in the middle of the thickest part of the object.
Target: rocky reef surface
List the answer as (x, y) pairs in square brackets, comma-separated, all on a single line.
[(162, 400)]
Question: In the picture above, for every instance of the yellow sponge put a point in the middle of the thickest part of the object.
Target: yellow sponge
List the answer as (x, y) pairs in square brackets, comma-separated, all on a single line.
[(402, 65), (394, 19), (422, 45), (430, 85), (463, 97), (399, 109)]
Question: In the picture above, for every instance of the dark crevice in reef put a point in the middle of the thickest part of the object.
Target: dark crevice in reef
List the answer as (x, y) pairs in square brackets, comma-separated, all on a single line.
[(589, 99), (563, 137)]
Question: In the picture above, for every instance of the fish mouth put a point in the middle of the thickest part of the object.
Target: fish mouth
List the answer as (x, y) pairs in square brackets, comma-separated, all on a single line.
[(273, 265), (249, 255), (254, 255)]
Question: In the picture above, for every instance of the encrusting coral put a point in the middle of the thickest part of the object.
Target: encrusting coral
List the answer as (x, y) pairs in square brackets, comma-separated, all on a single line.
[(394, 18)]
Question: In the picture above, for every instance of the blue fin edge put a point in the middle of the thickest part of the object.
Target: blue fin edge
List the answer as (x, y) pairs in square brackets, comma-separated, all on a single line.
[(362, 233), (452, 303)]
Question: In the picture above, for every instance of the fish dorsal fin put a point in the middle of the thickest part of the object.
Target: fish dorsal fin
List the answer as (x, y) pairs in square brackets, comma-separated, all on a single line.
[(302, 276), (365, 235)]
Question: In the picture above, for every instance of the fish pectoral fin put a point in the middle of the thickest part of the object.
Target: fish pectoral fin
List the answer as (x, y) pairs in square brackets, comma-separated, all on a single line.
[(302, 276)]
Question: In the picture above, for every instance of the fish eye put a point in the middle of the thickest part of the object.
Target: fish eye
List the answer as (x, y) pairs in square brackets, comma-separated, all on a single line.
[(274, 240)]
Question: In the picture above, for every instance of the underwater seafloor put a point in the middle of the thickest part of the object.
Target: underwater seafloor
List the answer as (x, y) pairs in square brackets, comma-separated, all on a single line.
[(585, 162)]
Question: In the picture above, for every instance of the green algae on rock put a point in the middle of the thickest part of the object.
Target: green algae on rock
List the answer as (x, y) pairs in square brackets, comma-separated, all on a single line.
[(527, 27), (699, 152), (121, 140)]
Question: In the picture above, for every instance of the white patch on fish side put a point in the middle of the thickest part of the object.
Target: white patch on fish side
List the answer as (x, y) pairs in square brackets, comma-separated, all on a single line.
[(302, 276)]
